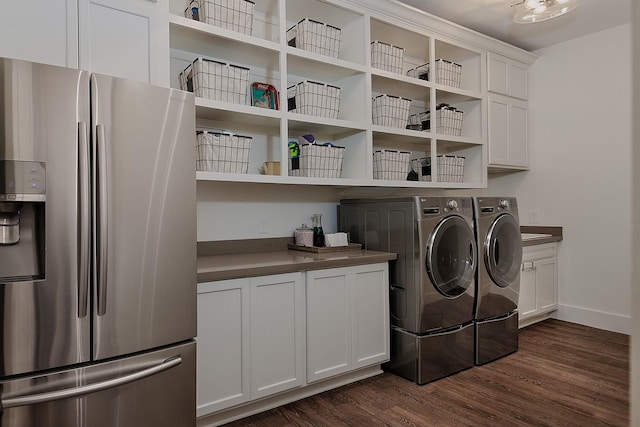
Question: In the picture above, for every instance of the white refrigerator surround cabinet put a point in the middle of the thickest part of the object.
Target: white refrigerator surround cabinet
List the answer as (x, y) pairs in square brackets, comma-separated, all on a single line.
[(97, 250)]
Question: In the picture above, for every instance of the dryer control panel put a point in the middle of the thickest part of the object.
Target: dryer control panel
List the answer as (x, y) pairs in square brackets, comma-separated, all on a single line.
[(438, 206)]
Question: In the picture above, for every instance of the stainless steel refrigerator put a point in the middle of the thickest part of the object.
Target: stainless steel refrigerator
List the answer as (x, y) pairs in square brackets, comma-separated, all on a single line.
[(97, 250)]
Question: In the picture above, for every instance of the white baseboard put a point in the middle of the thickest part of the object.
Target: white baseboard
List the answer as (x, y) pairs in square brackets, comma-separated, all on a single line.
[(594, 318)]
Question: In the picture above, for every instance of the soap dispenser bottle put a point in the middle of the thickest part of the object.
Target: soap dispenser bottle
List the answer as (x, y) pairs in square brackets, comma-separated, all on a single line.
[(318, 233)]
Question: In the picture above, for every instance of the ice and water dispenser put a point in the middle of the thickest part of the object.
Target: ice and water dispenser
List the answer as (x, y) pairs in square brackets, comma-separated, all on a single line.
[(22, 220)]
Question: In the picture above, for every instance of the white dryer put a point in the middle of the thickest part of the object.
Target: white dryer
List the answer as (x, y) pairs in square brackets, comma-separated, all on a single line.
[(497, 278)]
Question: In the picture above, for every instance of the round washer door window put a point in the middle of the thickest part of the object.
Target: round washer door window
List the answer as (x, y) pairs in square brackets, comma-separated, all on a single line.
[(503, 250), (451, 255)]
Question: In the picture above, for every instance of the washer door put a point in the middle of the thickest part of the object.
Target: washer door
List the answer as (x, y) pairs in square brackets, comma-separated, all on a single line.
[(503, 250), (451, 256)]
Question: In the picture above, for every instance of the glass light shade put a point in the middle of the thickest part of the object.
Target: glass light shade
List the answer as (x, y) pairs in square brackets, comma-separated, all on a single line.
[(530, 11)]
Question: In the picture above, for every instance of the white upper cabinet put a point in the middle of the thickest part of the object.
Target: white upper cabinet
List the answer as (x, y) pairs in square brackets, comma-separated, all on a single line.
[(507, 76), (42, 31), (124, 38), (508, 132)]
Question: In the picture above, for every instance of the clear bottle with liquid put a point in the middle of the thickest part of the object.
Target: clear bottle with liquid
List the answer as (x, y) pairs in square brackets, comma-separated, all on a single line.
[(318, 233)]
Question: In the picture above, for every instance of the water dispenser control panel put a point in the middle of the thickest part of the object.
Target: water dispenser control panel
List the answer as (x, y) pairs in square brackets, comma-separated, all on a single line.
[(22, 181)]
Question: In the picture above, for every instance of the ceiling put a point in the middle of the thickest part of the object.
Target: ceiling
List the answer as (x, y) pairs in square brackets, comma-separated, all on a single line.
[(493, 18)]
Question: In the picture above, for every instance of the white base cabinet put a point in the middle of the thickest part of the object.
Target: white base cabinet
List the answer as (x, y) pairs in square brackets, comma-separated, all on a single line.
[(347, 319), (250, 339), (538, 283), (273, 338)]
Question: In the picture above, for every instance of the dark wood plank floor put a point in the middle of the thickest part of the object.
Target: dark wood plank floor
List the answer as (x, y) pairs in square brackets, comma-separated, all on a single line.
[(564, 374)]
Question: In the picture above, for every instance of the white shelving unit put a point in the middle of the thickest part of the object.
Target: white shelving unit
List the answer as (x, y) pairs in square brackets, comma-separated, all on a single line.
[(271, 60)]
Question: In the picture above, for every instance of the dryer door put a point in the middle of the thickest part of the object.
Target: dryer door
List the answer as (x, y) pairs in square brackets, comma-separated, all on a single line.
[(503, 250), (451, 255)]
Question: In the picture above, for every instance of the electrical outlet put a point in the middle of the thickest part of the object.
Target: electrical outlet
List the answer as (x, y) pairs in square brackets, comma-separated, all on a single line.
[(535, 217), (263, 228)]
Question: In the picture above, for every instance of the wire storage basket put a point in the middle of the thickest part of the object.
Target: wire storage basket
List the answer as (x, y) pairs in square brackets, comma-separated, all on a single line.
[(236, 15), (446, 73), (448, 120), (450, 168), (313, 98), (222, 152), (392, 111), (317, 161), (387, 57), (314, 36), (216, 80), (391, 165)]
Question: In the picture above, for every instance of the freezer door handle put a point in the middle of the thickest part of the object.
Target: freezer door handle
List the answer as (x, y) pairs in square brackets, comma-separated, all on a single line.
[(92, 388), (84, 223), (103, 224)]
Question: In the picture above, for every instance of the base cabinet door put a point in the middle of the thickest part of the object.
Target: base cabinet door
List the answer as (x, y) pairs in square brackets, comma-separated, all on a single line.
[(370, 311), (329, 331), (277, 333), (250, 339), (538, 283), (222, 345), (347, 319)]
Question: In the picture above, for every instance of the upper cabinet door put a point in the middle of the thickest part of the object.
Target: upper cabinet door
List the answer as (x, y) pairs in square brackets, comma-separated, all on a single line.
[(498, 67), (125, 38), (507, 77), (42, 31)]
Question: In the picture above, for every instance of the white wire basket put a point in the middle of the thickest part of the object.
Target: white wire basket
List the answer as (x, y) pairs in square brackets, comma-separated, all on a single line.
[(216, 80), (446, 73), (392, 111), (221, 152), (315, 99), (236, 15), (314, 36), (387, 57), (317, 161), (391, 165), (448, 120), (450, 168)]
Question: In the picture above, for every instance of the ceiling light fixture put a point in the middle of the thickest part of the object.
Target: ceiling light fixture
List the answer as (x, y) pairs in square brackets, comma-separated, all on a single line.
[(530, 11)]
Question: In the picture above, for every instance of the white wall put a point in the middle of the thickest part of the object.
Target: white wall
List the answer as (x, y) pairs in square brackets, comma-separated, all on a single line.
[(635, 297), (234, 211), (580, 175)]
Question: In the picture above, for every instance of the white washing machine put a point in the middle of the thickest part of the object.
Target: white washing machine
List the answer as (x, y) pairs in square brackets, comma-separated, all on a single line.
[(432, 282), (498, 277)]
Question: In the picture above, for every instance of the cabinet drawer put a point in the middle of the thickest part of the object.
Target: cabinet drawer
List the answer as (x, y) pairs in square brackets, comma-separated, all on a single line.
[(546, 250)]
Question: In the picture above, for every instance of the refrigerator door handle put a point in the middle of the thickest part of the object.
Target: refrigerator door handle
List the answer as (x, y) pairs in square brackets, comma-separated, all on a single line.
[(101, 149), (92, 388), (84, 223)]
